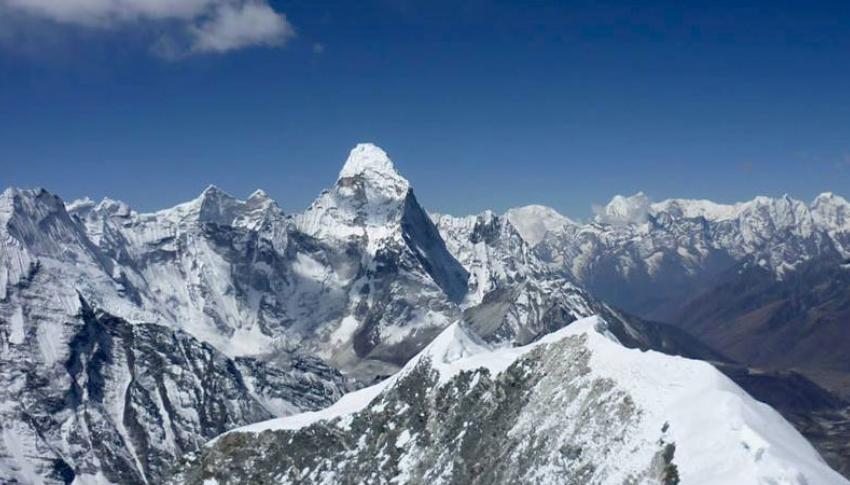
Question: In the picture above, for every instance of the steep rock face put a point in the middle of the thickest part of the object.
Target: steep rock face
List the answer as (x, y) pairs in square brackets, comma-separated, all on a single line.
[(527, 311), (293, 384), (100, 399), (362, 278), (575, 407), (117, 402), (234, 273), (40, 245), (524, 312), (491, 249), (404, 284)]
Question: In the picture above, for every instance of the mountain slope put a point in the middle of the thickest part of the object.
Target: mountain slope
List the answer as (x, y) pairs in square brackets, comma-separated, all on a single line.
[(120, 401), (574, 406), (797, 321)]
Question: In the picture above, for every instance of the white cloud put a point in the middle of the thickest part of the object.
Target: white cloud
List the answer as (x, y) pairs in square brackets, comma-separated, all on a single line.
[(188, 26), (111, 13), (624, 210), (238, 26)]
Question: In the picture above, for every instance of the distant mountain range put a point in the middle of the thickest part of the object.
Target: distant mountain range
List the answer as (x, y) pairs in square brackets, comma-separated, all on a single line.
[(764, 281), (127, 340)]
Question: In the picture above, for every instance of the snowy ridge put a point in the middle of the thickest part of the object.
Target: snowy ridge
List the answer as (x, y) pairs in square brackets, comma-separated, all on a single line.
[(692, 209), (450, 352), (719, 433), (827, 212)]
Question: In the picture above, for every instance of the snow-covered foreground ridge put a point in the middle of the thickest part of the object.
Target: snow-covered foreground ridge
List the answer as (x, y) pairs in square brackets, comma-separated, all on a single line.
[(719, 434)]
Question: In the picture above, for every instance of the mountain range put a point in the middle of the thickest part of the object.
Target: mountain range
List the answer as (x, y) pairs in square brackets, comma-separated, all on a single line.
[(128, 340)]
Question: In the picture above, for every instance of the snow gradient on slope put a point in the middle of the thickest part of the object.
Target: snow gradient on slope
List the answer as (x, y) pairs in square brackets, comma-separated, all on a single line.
[(589, 408)]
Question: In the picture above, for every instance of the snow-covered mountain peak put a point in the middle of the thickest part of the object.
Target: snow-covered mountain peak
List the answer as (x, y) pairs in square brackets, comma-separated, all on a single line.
[(621, 209), (259, 196), (260, 199), (212, 205), (533, 222), (452, 351), (85, 206), (80, 206), (695, 208), (368, 159), (830, 198), (458, 348), (832, 212), (831, 203), (216, 206), (28, 198), (368, 199), (30, 207), (369, 173), (115, 208)]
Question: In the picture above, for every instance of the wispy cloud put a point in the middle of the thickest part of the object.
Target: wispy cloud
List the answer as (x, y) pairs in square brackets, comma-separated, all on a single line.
[(238, 26), (633, 209), (185, 26)]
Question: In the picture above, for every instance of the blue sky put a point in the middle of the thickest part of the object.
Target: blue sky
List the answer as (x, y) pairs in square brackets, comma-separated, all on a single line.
[(481, 104)]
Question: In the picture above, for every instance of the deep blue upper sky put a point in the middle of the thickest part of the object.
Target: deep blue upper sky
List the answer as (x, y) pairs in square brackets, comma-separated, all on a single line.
[(483, 105)]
